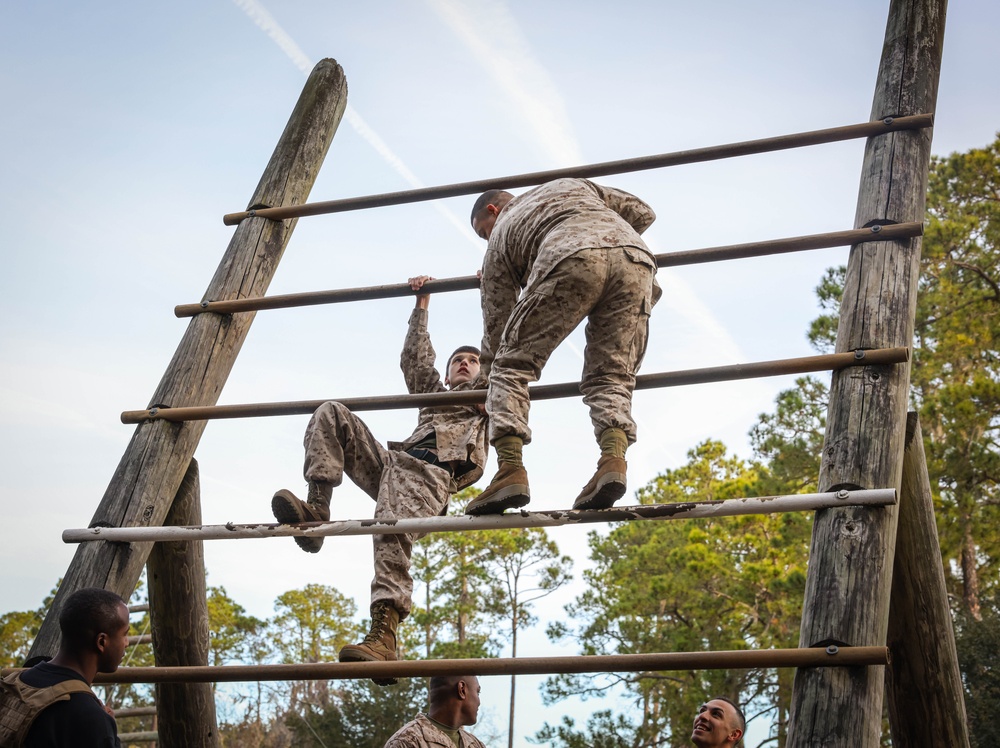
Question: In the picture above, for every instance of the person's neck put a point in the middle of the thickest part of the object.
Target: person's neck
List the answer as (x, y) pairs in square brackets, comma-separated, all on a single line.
[(81, 665), (445, 718)]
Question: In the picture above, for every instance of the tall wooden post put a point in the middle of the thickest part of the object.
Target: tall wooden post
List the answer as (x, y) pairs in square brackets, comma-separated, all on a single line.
[(923, 682), (179, 613), (850, 564), (156, 459)]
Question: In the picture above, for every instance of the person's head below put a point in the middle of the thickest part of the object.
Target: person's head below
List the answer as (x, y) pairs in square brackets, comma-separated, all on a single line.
[(454, 700), (486, 209), (719, 724), (94, 626), (463, 366)]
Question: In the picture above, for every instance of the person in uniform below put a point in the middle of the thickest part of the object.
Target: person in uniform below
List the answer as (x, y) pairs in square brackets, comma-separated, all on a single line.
[(94, 627), (718, 724), (413, 478), (560, 253), (454, 704)]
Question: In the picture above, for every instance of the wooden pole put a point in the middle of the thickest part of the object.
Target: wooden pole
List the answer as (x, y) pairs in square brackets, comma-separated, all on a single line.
[(677, 158), (923, 683), (780, 367), (832, 657), (179, 613), (850, 566), (468, 523), (151, 470), (467, 282)]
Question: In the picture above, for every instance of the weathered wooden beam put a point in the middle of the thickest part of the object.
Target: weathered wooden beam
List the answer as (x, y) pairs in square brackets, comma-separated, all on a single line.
[(151, 470), (850, 566), (821, 657), (677, 158), (923, 683), (467, 523), (468, 282), (779, 367), (179, 614)]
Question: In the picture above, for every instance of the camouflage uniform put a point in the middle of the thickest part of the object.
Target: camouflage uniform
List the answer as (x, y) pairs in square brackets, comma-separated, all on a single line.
[(422, 733), (337, 441), (574, 248)]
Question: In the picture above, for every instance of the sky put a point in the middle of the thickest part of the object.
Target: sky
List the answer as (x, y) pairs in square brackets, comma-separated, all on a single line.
[(129, 129)]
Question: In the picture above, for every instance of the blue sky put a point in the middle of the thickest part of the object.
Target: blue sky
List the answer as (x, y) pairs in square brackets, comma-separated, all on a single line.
[(129, 129)]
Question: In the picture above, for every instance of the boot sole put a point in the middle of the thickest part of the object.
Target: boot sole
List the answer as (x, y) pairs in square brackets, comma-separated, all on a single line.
[(510, 497), (609, 489), (285, 508), (352, 653)]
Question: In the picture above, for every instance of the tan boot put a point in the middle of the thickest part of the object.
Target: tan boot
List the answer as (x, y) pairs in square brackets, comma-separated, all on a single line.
[(606, 487), (507, 490), (380, 643), (290, 510)]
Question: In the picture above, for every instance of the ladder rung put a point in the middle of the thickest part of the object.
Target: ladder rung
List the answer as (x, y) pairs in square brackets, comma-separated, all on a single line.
[(888, 232), (780, 367), (521, 519)]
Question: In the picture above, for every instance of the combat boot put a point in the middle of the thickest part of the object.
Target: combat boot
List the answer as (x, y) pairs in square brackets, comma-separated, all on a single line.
[(290, 510), (507, 490), (606, 487), (380, 643)]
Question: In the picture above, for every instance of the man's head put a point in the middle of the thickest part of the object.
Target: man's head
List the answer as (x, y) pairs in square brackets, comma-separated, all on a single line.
[(463, 366), (719, 724), (486, 209), (454, 699), (94, 622)]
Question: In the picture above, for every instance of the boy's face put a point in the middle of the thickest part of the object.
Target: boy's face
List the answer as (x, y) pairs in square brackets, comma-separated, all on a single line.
[(463, 367)]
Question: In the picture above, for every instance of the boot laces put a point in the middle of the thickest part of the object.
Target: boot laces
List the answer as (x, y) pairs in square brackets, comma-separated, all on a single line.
[(380, 622)]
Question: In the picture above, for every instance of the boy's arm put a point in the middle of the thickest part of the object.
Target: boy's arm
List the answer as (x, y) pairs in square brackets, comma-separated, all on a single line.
[(417, 357)]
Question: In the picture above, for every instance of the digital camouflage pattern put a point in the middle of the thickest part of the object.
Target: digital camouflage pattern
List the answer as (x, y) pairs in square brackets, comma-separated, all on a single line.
[(563, 252), (422, 733), (337, 442)]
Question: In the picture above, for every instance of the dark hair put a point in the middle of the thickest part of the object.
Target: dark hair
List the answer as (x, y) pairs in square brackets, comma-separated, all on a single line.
[(740, 717), (487, 198), (461, 349), (442, 687), (87, 613)]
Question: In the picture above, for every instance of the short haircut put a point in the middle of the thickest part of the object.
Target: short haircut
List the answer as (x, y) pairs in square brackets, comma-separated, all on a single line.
[(740, 717), (487, 198), (462, 349), (87, 613), (442, 687)]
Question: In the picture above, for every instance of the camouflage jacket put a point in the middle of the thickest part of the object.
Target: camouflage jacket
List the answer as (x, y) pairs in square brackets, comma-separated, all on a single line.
[(537, 230), (460, 430), (422, 733)]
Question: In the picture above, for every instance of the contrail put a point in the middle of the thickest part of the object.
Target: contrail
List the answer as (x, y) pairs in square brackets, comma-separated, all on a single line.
[(266, 23), (507, 57)]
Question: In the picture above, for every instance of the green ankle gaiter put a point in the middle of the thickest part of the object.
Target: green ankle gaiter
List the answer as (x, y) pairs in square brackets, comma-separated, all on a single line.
[(614, 442), (508, 450)]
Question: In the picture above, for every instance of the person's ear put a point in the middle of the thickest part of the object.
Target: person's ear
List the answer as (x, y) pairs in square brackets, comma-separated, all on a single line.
[(462, 690), (735, 736), (101, 641)]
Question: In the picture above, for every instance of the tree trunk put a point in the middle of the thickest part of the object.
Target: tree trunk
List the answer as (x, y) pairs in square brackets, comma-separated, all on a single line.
[(151, 470), (850, 566), (970, 570), (179, 614)]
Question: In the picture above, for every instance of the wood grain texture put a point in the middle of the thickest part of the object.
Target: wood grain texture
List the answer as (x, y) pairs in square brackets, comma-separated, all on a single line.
[(151, 470), (851, 558), (179, 613)]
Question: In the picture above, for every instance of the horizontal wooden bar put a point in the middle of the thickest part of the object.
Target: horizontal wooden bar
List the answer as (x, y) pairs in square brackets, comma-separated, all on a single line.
[(521, 519), (138, 737), (676, 158), (140, 639), (722, 660), (135, 711), (667, 259), (826, 362)]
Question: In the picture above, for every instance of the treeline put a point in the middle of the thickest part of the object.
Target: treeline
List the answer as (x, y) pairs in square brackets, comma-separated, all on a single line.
[(732, 583)]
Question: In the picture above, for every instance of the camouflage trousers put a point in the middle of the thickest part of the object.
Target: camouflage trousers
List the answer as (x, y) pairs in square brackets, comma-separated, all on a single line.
[(339, 442), (610, 288)]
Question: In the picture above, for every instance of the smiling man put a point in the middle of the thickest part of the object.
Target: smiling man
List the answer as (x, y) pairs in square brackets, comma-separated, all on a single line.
[(413, 478), (718, 724)]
